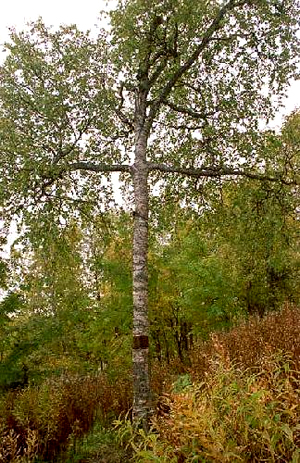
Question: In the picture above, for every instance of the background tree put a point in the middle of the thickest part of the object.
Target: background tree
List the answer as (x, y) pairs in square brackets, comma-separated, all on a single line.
[(175, 88)]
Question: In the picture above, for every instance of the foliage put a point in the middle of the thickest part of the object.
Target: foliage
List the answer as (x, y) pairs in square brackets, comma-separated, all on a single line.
[(251, 341), (234, 416), (75, 294), (58, 413), (60, 96), (109, 263), (210, 268), (100, 444), (265, 264)]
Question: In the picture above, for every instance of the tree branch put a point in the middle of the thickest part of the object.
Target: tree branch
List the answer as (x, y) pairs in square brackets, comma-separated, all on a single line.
[(207, 36), (214, 172), (89, 166), (48, 180), (188, 111), (119, 111), (158, 71), (64, 153)]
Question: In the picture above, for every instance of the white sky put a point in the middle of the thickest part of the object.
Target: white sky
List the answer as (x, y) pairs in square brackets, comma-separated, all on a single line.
[(84, 13)]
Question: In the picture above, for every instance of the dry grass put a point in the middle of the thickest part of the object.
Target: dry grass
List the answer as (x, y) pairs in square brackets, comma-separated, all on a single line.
[(251, 342), (42, 420)]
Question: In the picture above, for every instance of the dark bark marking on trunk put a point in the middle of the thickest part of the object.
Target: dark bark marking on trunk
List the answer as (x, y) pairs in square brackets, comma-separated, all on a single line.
[(140, 342)]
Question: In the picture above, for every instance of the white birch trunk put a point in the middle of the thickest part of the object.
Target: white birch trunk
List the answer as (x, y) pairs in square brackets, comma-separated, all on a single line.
[(141, 382)]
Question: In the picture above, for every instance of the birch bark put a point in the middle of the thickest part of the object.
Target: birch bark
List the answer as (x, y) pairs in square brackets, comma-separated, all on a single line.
[(140, 353)]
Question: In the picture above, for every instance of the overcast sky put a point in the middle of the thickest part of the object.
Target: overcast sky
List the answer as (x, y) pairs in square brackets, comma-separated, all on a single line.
[(84, 13)]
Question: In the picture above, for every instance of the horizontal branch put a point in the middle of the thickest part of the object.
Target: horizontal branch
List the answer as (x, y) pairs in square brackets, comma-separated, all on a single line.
[(90, 166), (215, 172), (50, 179)]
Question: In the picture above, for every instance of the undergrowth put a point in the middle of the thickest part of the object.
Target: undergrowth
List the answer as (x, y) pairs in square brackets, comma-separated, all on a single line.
[(251, 341), (44, 421), (235, 416), (236, 401)]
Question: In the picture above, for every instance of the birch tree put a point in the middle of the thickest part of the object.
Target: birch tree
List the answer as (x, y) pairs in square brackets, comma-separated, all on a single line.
[(171, 96)]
